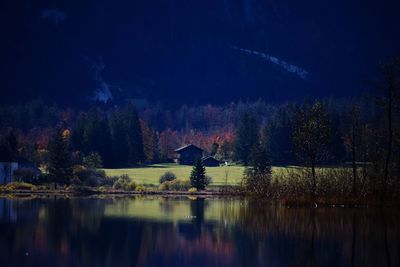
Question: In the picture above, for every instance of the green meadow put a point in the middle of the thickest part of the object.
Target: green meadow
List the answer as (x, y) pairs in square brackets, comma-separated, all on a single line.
[(150, 174)]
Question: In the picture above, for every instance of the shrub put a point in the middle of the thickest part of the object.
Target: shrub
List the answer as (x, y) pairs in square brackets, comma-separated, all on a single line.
[(124, 183), (79, 189), (90, 177), (175, 185), (93, 160), (140, 188), (19, 186), (192, 190), (75, 180), (25, 175), (112, 179), (42, 187), (44, 178), (257, 183), (104, 188), (167, 176)]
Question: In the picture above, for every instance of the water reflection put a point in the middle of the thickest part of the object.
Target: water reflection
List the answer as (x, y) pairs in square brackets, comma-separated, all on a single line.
[(155, 231)]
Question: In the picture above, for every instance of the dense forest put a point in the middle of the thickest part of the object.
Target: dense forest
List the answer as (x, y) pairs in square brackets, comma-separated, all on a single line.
[(358, 130), (360, 135)]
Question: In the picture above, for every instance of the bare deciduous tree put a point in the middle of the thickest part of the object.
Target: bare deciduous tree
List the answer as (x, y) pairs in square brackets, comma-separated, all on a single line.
[(311, 131)]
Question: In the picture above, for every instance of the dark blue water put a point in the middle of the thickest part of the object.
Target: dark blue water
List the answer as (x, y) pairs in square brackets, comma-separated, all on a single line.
[(156, 231)]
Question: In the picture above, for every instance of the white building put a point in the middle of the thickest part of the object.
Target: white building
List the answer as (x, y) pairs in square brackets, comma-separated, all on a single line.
[(7, 169)]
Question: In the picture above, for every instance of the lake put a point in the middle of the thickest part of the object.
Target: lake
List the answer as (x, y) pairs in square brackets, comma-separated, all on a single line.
[(183, 231)]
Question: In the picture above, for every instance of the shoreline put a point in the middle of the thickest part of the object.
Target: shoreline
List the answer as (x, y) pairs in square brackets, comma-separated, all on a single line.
[(93, 192), (286, 202)]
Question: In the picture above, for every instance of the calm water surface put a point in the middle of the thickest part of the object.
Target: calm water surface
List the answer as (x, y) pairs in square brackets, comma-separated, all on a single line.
[(157, 231)]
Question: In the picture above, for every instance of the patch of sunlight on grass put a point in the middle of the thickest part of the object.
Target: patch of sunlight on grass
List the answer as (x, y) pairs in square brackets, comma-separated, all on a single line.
[(150, 174)]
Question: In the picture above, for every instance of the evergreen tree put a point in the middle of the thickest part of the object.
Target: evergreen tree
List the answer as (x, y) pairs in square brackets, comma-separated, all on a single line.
[(246, 137), (198, 175), (150, 143), (134, 135), (11, 142), (92, 135), (78, 134), (60, 167), (277, 137), (105, 143), (119, 140), (259, 161)]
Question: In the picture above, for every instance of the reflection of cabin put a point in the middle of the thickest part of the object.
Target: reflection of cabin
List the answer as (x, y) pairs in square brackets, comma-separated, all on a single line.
[(210, 161), (187, 155), (10, 164)]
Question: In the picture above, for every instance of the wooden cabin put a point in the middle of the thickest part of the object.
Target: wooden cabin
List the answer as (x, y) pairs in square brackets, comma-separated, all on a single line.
[(210, 161)]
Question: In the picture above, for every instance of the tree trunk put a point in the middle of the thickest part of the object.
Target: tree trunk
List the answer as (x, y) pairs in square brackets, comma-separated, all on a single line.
[(389, 148), (354, 165)]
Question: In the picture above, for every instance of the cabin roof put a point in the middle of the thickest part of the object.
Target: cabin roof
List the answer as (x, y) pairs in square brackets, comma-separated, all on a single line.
[(187, 147), (209, 158)]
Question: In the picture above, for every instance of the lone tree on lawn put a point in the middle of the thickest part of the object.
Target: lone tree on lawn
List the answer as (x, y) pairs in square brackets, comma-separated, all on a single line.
[(60, 166), (310, 135), (198, 176)]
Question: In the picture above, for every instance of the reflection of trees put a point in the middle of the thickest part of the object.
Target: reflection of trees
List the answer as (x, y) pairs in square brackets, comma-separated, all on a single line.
[(63, 230), (194, 230), (60, 232), (167, 205), (197, 208), (309, 237)]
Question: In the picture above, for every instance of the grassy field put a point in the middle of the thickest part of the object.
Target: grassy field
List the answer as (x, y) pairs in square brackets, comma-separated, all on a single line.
[(150, 174)]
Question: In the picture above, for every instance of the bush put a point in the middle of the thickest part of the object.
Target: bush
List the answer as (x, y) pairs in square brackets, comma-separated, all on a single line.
[(112, 179), (44, 178), (25, 175), (175, 185), (90, 177), (124, 183), (192, 190), (93, 161), (79, 189), (140, 188), (167, 176), (257, 183), (19, 186)]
